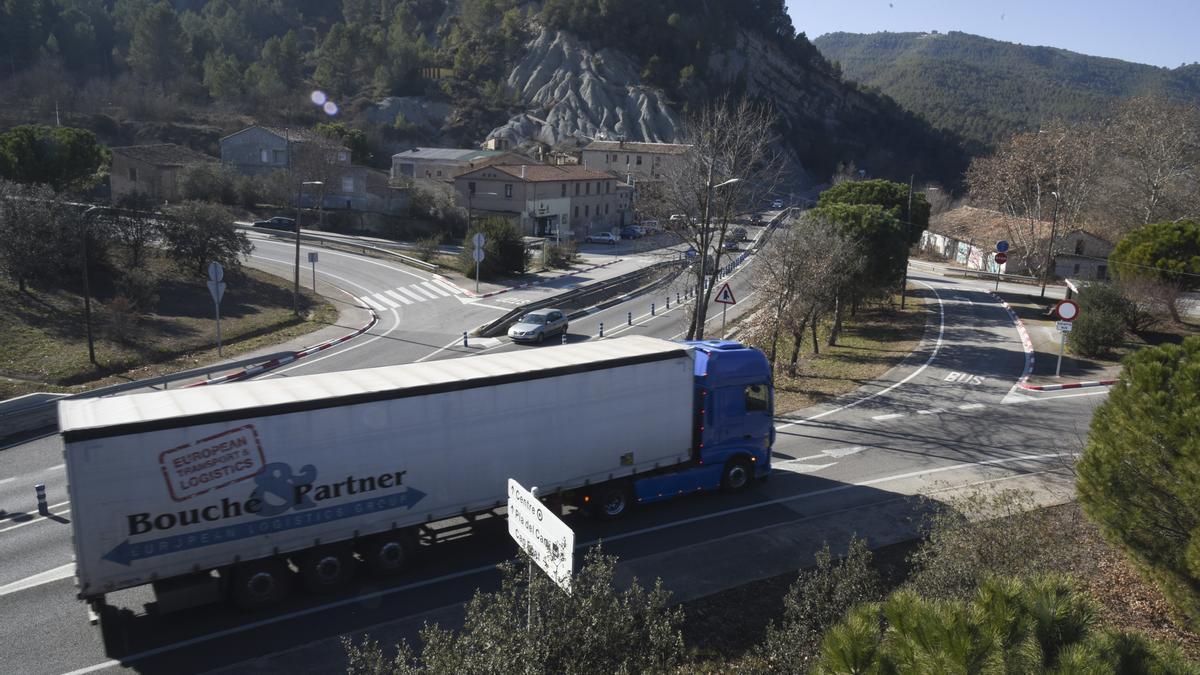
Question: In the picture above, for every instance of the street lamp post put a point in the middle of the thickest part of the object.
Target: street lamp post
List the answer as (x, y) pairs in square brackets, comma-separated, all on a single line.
[(1050, 247), (907, 243), (296, 284), (705, 241)]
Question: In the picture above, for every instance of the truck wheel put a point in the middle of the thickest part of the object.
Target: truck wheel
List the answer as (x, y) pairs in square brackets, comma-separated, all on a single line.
[(259, 584), (737, 475), (610, 502), (389, 553), (326, 568)]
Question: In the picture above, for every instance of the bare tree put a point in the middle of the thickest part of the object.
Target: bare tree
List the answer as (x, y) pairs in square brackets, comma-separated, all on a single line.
[(1037, 177), (1154, 163), (731, 165), (133, 226)]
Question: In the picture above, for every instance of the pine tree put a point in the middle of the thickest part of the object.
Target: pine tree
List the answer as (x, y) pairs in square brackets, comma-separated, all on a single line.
[(158, 51), (1139, 477)]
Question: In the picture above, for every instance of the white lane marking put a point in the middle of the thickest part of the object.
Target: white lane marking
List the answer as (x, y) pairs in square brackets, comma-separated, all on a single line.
[(200, 639), (449, 286), (39, 579), (56, 467), (414, 296), (971, 406), (844, 452), (931, 411), (422, 291), (356, 258), (439, 350), (35, 520), (6, 480), (889, 416), (399, 297), (796, 466), (391, 304), (936, 347), (366, 300), (338, 352), (1040, 399), (475, 303), (436, 289)]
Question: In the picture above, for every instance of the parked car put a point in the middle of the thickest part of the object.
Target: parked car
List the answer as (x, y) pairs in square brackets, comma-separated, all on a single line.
[(677, 218), (730, 245), (630, 232), (755, 218), (602, 238), (777, 204), (650, 226), (537, 326), (277, 223), (739, 234)]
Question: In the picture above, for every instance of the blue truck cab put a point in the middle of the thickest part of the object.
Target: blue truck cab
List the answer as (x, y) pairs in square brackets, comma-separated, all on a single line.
[(734, 423)]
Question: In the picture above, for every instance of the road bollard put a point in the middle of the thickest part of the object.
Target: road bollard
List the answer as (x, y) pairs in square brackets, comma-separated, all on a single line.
[(601, 329), (677, 297), (668, 302), (465, 339), (652, 309), (564, 339), (629, 318), (40, 489)]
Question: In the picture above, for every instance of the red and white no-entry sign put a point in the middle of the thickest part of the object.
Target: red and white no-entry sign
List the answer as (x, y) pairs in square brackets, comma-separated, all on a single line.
[(1001, 258), (1067, 310)]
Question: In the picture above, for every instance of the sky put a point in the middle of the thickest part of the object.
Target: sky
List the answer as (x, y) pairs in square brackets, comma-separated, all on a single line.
[(1157, 32)]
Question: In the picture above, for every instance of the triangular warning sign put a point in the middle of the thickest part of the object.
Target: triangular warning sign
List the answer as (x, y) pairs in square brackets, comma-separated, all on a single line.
[(725, 295)]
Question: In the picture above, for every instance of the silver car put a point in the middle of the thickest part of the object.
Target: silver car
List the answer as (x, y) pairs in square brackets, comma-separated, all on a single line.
[(537, 326)]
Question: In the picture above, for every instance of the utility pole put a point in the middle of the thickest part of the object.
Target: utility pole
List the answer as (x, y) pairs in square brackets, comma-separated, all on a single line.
[(907, 237), (87, 287), (1050, 246)]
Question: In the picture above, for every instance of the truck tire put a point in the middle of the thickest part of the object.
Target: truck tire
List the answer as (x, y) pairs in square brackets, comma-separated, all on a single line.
[(326, 568), (737, 475), (610, 501), (389, 553), (259, 584)]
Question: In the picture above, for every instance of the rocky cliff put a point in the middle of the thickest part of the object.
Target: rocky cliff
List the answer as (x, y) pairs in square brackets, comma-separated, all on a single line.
[(573, 92)]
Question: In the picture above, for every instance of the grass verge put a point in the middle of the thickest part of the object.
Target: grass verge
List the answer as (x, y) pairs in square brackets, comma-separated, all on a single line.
[(873, 341), (45, 340)]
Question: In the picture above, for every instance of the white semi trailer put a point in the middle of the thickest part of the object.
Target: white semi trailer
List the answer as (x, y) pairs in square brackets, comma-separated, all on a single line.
[(222, 487)]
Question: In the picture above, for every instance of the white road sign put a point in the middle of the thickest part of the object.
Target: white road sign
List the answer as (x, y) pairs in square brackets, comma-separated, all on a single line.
[(478, 239), (540, 533), (477, 255), (1063, 326)]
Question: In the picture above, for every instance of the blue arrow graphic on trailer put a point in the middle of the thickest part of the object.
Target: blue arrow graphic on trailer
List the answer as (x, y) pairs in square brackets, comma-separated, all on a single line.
[(126, 552)]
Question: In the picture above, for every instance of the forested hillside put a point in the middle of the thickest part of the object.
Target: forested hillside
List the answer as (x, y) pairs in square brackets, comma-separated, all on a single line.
[(986, 89), (192, 70)]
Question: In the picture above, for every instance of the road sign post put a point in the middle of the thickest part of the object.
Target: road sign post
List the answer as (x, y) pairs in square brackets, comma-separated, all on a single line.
[(541, 534), (725, 297), (1066, 311), (1001, 258), (312, 258), (477, 255), (216, 288)]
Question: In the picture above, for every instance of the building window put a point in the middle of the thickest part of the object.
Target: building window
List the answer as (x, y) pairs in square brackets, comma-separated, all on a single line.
[(347, 183), (265, 156), (656, 159), (639, 160), (577, 189), (1079, 247), (587, 188), (1076, 269), (608, 187), (587, 211), (564, 190), (576, 213), (439, 173), (279, 157), (606, 209), (626, 160), (343, 156), (133, 174), (508, 190), (1101, 271), (758, 398)]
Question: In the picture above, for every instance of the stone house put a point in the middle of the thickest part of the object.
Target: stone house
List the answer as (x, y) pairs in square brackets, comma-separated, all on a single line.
[(630, 160), (1079, 254), (567, 201), (259, 150), (152, 170), (443, 164)]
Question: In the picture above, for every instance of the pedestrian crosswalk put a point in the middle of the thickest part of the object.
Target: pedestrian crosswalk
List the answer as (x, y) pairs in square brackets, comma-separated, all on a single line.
[(407, 295)]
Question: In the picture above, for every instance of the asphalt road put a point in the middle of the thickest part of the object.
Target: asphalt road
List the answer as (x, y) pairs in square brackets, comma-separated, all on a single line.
[(948, 416)]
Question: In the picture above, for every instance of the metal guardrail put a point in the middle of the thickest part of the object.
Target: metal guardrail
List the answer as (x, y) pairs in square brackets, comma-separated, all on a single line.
[(26, 414), (331, 241), (579, 296)]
